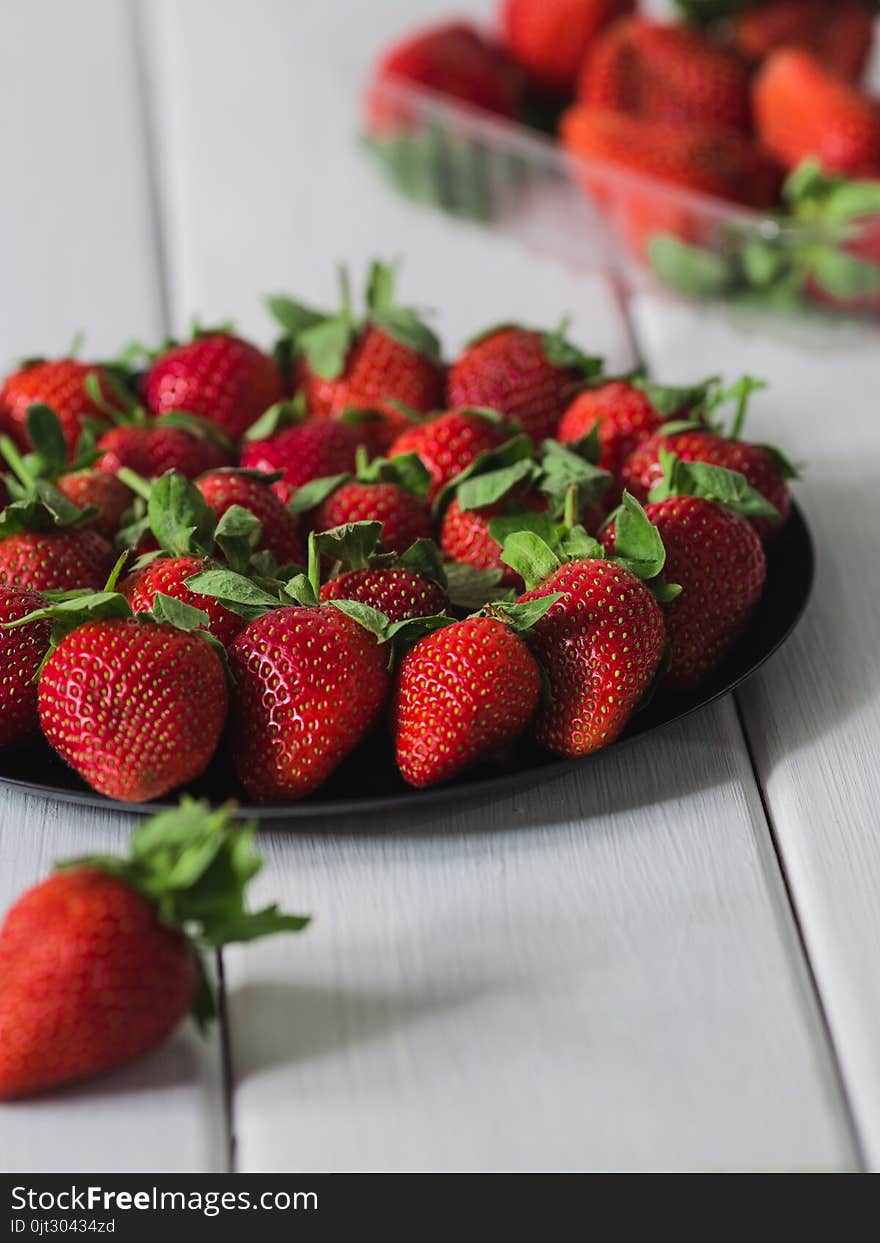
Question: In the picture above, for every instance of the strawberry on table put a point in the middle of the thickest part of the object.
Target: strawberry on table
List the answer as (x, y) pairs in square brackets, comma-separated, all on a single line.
[(450, 442), (217, 376), (101, 961), (45, 545), (21, 653), (713, 553), (550, 38), (313, 448), (390, 491), (601, 642), (528, 377), (803, 109), (62, 384), (765, 468), (665, 72), (464, 692), (79, 480), (136, 705), (376, 364)]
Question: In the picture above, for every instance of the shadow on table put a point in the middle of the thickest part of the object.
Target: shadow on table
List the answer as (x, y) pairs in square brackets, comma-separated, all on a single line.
[(303, 1022)]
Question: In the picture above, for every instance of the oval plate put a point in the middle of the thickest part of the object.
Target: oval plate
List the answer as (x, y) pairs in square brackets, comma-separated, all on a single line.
[(368, 780)]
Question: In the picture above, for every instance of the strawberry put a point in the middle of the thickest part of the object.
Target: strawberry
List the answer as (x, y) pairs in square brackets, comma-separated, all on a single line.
[(601, 642), (151, 450), (803, 109), (550, 38), (764, 468), (249, 489), (461, 694), (78, 480), (507, 486), (101, 961), (448, 443), (312, 449), (391, 492), (624, 413), (839, 34), (135, 705), (401, 586), (453, 59), (668, 73), (217, 376), (168, 576), (694, 155), (43, 546), (714, 554), (528, 377), (388, 359), (21, 654), (60, 384)]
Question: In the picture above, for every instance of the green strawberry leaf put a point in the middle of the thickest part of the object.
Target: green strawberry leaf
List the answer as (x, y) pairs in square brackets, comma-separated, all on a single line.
[(577, 545), (485, 489), (404, 326), (841, 274), (563, 469), (47, 437), (173, 612), (470, 587), (326, 345), (315, 492), (237, 535), (544, 526), (352, 544), (423, 558), (301, 590), (381, 280), (521, 617), (365, 615), (670, 400), (407, 471), (293, 317), (403, 635), (530, 556), (727, 488), (517, 449), (239, 594), (282, 414), (637, 542), (689, 269), (587, 447), (562, 353), (180, 517)]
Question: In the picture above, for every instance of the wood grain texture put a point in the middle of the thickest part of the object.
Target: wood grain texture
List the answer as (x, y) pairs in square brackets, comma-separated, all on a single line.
[(813, 715), (77, 251)]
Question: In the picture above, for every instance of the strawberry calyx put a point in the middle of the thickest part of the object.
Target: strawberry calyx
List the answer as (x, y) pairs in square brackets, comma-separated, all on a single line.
[(501, 467), (727, 488), (538, 547), (325, 340), (48, 459), (193, 864), (43, 509), (563, 467), (286, 413), (407, 472), (669, 399)]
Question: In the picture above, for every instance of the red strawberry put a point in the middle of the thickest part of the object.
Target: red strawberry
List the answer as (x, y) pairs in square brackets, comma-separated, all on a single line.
[(450, 442), (716, 557), (399, 593), (309, 683), (21, 654), (344, 365), (152, 450), (600, 644), (63, 559), (309, 450), (218, 377), (461, 693), (550, 38), (453, 59), (624, 413), (101, 961), (838, 34), (802, 109), (136, 708), (763, 467), (666, 73), (96, 488), (167, 576), (280, 529), (528, 377), (61, 384)]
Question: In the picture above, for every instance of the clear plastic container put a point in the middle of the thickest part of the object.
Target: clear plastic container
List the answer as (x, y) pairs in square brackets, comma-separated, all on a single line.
[(641, 232)]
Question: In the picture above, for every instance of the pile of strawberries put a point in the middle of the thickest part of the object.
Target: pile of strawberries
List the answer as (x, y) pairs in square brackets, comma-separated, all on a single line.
[(276, 554), (754, 102)]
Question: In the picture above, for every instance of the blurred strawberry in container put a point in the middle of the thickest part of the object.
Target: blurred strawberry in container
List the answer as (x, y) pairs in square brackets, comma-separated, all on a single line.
[(666, 73), (839, 33), (549, 38)]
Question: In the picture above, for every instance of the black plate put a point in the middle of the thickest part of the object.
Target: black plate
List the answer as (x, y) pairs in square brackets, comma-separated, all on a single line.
[(369, 781)]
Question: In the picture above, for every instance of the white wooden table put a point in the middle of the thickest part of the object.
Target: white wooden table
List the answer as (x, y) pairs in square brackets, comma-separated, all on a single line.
[(668, 961)]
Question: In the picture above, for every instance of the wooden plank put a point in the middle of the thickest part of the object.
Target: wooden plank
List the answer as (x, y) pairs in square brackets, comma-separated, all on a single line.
[(77, 251), (598, 974), (602, 973), (813, 717)]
